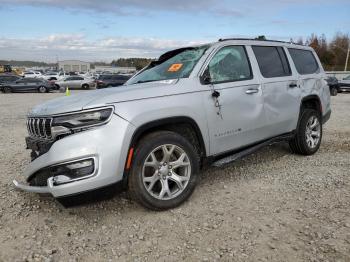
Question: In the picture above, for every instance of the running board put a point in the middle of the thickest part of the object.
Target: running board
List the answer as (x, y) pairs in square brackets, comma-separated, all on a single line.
[(231, 158)]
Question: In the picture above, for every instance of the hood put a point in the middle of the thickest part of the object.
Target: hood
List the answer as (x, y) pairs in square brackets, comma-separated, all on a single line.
[(103, 97)]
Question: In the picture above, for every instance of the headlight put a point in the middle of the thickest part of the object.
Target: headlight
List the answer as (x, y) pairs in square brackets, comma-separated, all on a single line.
[(83, 120)]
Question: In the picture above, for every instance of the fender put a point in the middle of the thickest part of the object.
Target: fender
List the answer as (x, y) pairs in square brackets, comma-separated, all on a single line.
[(158, 123)]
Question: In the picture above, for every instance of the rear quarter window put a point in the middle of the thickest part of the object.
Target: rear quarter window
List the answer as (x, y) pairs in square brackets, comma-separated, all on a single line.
[(304, 61)]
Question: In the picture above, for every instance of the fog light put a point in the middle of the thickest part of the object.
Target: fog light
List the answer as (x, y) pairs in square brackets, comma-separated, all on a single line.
[(72, 171)]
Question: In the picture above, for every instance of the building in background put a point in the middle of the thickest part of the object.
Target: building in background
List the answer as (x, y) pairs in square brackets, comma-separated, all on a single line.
[(73, 66), (115, 69)]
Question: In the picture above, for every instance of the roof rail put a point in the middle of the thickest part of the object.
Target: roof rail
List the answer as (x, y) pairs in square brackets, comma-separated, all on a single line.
[(255, 39)]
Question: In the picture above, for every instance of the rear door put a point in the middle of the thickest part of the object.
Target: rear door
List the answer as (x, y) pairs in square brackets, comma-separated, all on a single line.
[(118, 80), (77, 82), (280, 88), (236, 116), (31, 84)]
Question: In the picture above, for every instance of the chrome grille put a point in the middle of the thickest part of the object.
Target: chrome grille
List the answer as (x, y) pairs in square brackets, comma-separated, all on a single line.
[(39, 127)]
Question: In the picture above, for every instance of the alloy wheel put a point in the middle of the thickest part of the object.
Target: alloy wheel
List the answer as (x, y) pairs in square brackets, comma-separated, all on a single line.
[(313, 132), (166, 172)]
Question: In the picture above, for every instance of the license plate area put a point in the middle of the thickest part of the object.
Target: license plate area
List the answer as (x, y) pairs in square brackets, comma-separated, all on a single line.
[(38, 147)]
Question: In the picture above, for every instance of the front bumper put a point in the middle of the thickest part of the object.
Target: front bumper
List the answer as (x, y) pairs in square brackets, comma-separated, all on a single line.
[(108, 144)]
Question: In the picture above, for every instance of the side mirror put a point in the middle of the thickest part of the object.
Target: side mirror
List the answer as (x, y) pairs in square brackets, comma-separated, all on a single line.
[(206, 78)]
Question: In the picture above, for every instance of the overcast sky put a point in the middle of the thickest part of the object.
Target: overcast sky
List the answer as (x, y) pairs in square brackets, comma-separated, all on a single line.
[(103, 30)]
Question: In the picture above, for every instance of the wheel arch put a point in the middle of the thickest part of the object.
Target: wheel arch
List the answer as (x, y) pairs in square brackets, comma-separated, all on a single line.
[(312, 102), (183, 125), (171, 124)]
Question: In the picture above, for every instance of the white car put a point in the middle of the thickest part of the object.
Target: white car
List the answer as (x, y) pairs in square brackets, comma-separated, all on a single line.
[(344, 84), (32, 74), (57, 76), (76, 81)]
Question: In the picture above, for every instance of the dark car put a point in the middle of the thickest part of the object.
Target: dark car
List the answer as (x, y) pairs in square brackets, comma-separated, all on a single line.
[(333, 85), (27, 85), (8, 78), (110, 80)]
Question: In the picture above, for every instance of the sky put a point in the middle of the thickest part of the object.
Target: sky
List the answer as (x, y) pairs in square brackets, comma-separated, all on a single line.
[(103, 30)]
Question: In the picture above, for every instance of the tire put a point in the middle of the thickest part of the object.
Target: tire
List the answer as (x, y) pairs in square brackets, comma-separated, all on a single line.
[(156, 196), (42, 89), (7, 89), (85, 86), (308, 138), (334, 91)]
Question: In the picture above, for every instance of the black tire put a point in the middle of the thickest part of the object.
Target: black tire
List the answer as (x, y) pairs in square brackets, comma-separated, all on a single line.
[(42, 89), (7, 89), (85, 86), (299, 144), (136, 185), (334, 91)]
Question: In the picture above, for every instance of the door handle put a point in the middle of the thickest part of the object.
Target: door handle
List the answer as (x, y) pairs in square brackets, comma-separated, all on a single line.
[(251, 91), (292, 85)]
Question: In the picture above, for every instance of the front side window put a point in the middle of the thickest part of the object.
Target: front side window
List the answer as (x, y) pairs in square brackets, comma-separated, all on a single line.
[(229, 64), (272, 61), (304, 61), (171, 65)]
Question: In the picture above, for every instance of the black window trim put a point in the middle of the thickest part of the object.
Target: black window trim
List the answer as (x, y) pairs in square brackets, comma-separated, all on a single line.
[(318, 70), (229, 81), (279, 55)]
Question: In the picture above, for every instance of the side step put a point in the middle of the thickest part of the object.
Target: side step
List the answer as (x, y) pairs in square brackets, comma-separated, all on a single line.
[(247, 151)]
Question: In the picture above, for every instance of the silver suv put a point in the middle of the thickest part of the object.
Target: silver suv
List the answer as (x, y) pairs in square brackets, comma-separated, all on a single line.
[(193, 107)]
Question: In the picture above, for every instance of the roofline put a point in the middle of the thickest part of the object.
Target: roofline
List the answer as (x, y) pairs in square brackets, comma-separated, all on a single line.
[(260, 40)]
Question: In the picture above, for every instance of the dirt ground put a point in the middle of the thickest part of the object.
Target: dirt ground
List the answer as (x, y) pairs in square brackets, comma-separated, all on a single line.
[(270, 206)]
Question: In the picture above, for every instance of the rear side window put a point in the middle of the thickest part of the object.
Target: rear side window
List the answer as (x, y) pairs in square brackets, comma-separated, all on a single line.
[(272, 61), (304, 61)]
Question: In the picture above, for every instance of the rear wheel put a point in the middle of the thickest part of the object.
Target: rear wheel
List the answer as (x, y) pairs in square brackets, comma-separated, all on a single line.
[(7, 89), (334, 91), (42, 89), (309, 134), (165, 171)]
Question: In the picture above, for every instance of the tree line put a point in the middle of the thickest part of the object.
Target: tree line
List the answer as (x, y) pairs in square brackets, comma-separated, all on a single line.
[(331, 53)]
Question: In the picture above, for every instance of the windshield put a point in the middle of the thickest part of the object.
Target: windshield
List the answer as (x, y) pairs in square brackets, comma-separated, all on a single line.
[(347, 78), (174, 64)]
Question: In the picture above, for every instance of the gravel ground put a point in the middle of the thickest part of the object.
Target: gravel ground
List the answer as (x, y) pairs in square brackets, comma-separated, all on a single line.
[(270, 206)]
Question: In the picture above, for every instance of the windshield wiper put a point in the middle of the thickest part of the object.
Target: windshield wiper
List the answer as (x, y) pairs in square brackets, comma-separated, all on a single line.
[(144, 81)]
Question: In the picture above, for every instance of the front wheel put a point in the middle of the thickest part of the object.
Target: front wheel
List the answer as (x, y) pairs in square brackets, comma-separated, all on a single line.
[(85, 86), (165, 171), (309, 133), (42, 89)]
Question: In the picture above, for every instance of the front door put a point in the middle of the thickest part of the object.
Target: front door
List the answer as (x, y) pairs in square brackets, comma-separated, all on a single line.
[(236, 116)]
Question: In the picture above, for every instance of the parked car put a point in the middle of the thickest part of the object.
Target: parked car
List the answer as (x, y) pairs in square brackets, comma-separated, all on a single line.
[(27, 85), (32, 74), (333, 85), (54, 76), (193, 107), (76, 82), (344, 84), (111, 80), (8, 78)]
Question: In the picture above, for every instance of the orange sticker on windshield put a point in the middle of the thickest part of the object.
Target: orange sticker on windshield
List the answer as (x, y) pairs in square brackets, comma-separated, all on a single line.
[(174, 67)]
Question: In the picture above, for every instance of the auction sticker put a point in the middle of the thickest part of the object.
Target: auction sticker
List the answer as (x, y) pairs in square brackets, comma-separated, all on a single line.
[(174, 67)]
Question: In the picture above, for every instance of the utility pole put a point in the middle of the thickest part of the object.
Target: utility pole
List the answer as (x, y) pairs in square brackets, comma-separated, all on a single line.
[(347, 59)]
